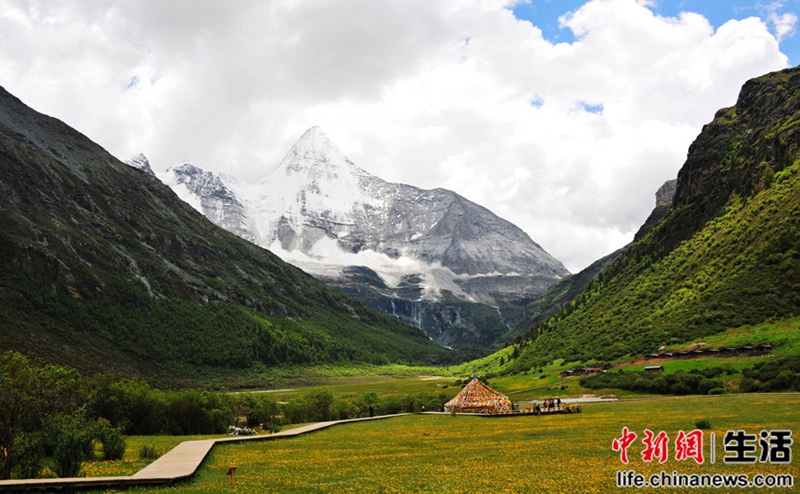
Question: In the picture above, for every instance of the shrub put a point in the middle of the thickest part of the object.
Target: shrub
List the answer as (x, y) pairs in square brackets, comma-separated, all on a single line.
[(716, 391), (748, 385), (706, 385), (395, 404), (680, 388), (70, 439), (29, 454), (702, 424), (340, 410), (783, 380), (112, 440), (148, 452), (275, 425), (430, 401), (660, 385)]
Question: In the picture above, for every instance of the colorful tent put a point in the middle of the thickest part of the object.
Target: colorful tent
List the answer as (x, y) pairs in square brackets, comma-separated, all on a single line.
[(476, 397)]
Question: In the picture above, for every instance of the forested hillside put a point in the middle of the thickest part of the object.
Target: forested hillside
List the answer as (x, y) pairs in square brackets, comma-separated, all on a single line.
[(727, 254), (102, 267)]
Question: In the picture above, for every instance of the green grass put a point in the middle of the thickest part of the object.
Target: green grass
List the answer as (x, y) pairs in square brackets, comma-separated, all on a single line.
[(347, 388), (131, 463), (671, 366), (784, 335), (546, 381), (443, 453)]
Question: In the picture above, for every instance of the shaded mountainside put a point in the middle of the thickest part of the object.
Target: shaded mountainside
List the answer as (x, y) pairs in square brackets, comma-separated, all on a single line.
[(559, 295), (726, 254), (104, 268)]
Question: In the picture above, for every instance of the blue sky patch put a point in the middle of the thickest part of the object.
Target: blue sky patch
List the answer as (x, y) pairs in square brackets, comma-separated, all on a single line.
[(544, 14), (596, 109)]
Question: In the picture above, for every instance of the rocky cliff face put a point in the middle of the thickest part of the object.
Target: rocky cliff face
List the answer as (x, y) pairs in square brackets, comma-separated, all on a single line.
[(391, 245), (665, 193), (664, 196)]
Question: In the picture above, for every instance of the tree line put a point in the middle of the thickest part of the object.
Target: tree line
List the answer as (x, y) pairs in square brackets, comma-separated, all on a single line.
[(781, 374), (51, 417)]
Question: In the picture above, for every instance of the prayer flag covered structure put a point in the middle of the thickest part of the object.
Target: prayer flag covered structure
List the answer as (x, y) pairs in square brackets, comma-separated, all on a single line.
[(476, 397)]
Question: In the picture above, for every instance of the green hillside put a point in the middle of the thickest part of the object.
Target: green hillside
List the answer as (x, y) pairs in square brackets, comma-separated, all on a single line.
[(102, 267), (559, 295), (726, 255)]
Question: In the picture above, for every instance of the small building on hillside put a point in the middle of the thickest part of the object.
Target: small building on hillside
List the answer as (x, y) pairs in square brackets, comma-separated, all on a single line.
[(654, 368)]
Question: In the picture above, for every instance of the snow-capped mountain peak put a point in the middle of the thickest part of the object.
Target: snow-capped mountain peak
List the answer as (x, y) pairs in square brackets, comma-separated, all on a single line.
[(315, 184), (315, 150), (321, 212), (141, 162), (315, 158)]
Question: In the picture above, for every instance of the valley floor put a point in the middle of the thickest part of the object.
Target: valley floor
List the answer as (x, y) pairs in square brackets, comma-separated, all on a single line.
[(574, 453)]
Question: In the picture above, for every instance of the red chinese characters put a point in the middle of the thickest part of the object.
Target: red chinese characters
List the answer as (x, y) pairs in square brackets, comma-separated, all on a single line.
[(657, 446), (689, 446), (623, 443)]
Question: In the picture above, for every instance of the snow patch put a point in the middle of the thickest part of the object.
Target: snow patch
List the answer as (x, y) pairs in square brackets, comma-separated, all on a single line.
[(181, 190), (327, 258)]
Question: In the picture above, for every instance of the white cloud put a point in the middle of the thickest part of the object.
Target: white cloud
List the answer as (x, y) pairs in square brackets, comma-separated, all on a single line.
[(783, 24), (433, 93)]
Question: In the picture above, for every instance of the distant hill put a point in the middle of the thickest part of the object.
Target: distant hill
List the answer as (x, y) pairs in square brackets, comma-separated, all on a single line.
[(104, 268), (725, 254)]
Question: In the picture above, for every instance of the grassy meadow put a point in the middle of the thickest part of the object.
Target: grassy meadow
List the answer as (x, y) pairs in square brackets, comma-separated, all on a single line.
[(446, 453), (350, 387), (131, 461)]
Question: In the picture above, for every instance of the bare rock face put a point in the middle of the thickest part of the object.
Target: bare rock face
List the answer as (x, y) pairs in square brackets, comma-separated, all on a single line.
[(664, 196), (321, 212), (665, 193)]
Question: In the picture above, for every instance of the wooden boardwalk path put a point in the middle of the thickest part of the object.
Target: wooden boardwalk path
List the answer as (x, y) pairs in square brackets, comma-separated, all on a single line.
[(180, 463)]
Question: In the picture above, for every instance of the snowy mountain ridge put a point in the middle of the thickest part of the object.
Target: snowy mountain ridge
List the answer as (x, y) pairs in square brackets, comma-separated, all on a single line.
[(322, 213)]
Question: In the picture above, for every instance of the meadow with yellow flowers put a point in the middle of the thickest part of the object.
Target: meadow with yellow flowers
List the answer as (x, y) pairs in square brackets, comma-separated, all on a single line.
[(452, 453)]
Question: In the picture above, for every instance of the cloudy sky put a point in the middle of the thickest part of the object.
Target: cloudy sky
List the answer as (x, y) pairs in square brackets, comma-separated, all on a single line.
[(561, 116)]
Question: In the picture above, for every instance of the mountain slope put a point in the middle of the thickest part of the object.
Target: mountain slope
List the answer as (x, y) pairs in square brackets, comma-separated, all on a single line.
[(726, 254), (570, 287), (429, 257), (103, 267)]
